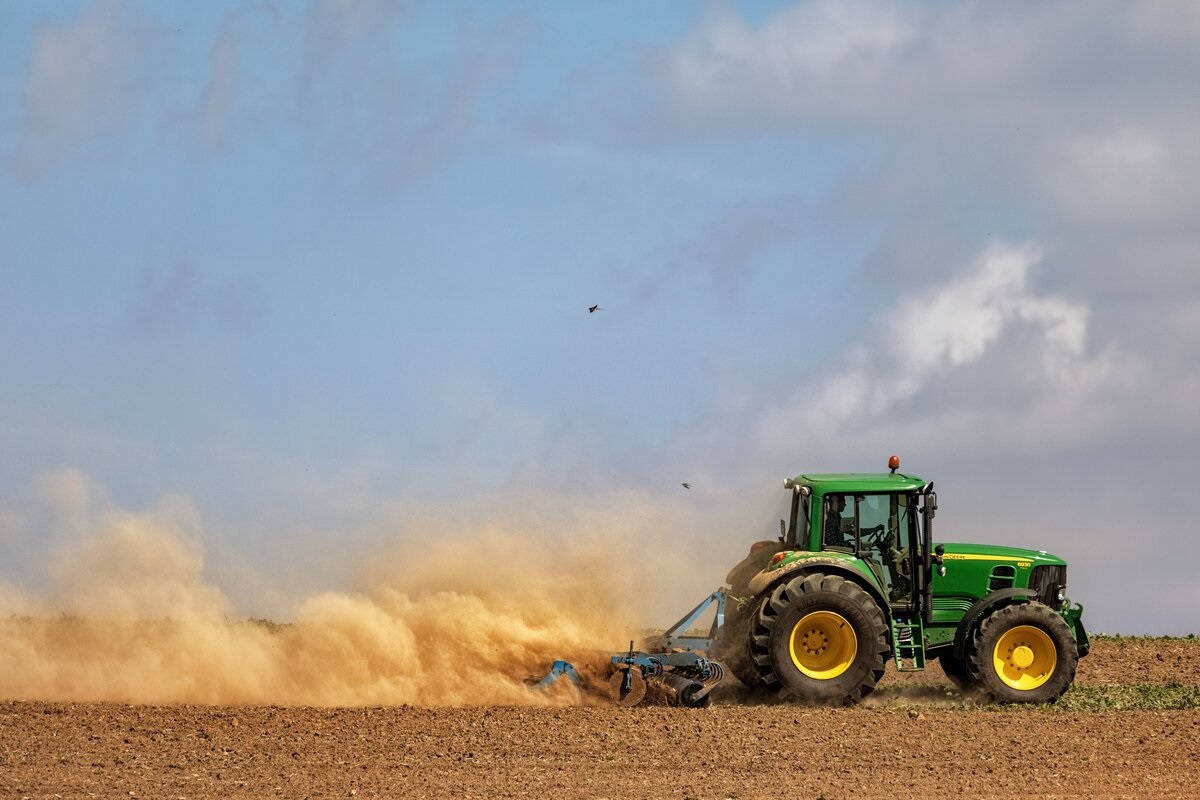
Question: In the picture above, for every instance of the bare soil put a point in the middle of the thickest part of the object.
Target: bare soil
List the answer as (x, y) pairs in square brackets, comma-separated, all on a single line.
[(902, 744)]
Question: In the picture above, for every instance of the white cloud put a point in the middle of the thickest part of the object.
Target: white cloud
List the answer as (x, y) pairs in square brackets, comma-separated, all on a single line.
[(87, 82), (921, 66), (1026, 101), (221, 109), (932, 333), (956, 324), (1133, 175), (809, 41)]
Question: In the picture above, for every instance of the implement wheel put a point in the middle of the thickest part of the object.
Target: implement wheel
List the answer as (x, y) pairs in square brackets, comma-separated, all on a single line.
[(1023, 653), (688, 699), (820, 639)]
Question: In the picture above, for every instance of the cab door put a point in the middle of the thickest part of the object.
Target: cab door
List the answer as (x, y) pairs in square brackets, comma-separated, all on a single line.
[(887, 537)]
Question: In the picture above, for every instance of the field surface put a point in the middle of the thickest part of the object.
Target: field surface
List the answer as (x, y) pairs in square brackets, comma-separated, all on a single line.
[(1130, 727)]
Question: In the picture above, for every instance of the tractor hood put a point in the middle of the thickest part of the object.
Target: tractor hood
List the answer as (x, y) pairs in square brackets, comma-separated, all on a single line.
[(1020, 556)]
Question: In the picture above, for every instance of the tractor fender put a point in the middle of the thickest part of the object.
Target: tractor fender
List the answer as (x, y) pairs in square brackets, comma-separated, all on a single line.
[(767, 579), (752, 564), (982, 607)]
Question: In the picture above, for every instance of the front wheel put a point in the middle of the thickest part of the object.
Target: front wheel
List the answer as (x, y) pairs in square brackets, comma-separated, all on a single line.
[(1023, 654), (820, 639)]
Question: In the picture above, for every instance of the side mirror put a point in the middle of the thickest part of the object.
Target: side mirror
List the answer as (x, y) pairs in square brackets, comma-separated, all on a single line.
[(782, 530), (931, 504)]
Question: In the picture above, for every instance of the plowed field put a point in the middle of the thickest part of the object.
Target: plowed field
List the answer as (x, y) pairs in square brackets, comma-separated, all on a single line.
[(915, 738)]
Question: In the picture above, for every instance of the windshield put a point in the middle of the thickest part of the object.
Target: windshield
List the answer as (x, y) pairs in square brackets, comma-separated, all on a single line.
[(799, 517), (848, 517)]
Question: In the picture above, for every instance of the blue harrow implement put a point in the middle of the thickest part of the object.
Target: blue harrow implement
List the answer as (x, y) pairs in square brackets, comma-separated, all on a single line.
[(674, 660)]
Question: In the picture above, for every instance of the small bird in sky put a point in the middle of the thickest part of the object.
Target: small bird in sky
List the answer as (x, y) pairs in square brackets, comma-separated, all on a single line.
[(686, 485), (594, 309)]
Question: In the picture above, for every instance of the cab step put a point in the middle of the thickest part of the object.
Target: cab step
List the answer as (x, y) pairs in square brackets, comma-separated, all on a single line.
[(908, 643)]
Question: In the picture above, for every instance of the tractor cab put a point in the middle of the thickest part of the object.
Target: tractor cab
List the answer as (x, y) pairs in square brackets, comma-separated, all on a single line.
[(880, 520)]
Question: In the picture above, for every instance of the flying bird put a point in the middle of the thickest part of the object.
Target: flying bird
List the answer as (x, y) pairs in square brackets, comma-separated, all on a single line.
[(594, 309), (686, 485)]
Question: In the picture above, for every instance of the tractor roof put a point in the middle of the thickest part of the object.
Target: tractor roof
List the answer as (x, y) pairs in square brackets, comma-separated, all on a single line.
[(861, 482)]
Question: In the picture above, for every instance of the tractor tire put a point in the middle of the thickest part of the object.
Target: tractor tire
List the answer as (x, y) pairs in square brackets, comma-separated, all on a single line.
[(1023, 653), (820, 639), (741, 612), (733, 648), (957, 672)]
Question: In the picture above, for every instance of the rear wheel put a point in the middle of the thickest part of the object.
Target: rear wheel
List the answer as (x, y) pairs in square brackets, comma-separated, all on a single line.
[(733, 649), (741, 612), (820, 639), (1023, 654)]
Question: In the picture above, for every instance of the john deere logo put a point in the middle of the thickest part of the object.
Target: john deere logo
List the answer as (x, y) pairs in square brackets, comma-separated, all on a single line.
[(1023, 564)]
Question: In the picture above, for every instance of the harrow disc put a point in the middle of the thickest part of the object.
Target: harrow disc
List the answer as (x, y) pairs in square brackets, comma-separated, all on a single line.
[(627, 687)]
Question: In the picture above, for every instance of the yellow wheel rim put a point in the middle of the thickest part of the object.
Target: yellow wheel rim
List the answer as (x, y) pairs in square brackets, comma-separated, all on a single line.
[(1025, 657), (823, 645)]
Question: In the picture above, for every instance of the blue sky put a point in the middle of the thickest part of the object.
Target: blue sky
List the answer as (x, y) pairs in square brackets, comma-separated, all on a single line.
[(318, 273)]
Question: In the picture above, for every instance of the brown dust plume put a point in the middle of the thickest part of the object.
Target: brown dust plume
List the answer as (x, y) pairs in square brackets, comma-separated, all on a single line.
[(131, 617)]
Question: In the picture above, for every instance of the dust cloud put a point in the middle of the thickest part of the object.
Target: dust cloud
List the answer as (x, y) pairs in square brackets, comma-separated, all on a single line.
[(129, 616)]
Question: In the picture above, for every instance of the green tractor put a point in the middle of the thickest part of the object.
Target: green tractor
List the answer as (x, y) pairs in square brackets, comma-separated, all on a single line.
[(855, 579)]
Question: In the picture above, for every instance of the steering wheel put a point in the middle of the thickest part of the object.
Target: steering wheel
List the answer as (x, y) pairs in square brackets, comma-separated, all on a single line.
[(879, 534)]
